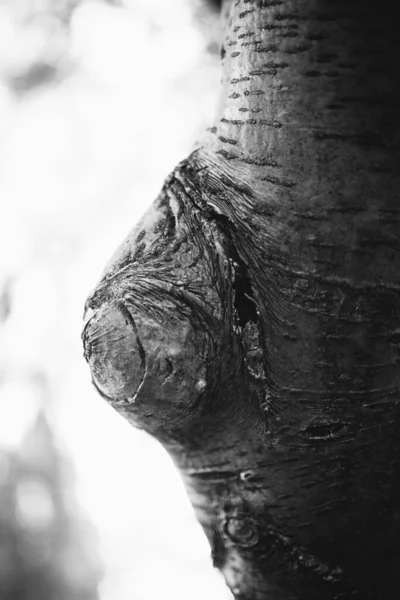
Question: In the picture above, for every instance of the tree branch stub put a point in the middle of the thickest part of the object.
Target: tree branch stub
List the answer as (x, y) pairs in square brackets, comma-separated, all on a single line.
[(250, 321)]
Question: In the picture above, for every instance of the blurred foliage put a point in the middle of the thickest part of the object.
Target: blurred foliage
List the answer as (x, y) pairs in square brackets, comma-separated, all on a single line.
[(46, 546), (43, 55), (82, 154)]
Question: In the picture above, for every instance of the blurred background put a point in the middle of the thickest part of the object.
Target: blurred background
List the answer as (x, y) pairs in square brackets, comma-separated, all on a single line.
[(99, 100)]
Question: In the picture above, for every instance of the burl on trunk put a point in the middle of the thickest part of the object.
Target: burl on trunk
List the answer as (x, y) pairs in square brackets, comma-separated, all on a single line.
[(251, 320)]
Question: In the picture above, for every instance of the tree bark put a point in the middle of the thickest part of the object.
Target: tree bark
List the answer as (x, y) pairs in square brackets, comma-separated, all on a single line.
[(251, 320)]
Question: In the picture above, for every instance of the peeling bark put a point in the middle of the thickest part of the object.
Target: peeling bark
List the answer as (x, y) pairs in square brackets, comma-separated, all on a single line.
[(251, 320)]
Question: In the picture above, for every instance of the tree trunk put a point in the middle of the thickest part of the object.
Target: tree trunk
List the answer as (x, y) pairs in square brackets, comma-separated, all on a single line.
[(251, 320)]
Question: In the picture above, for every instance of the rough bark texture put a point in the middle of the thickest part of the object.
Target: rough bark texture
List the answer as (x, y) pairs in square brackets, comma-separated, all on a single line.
[(251, 321)]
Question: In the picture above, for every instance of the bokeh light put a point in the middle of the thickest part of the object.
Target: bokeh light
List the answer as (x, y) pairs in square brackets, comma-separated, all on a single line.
[(98, 102)]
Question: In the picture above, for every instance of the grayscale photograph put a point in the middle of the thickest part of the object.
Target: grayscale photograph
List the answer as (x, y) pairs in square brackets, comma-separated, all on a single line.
[(199, 300)]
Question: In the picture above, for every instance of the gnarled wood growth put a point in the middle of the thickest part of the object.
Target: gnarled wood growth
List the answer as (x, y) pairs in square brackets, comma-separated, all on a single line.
[(251, 321)]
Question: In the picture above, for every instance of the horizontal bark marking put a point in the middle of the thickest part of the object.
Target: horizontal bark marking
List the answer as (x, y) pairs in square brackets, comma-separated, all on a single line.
[(275, 65), (367, 139), (227, 155), (290, 34), (260, 162), (254, 93), (251, 43), (245, 13), (348, 209), (269, 3), (261, 72), (299, 49), (326, 57), (315, 73), (252, 110), (225, 140), (275, 123), (317, 36), (232, 121), (271, 48), (287, 16), (213, 475), (278, 181), (240, 80)]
